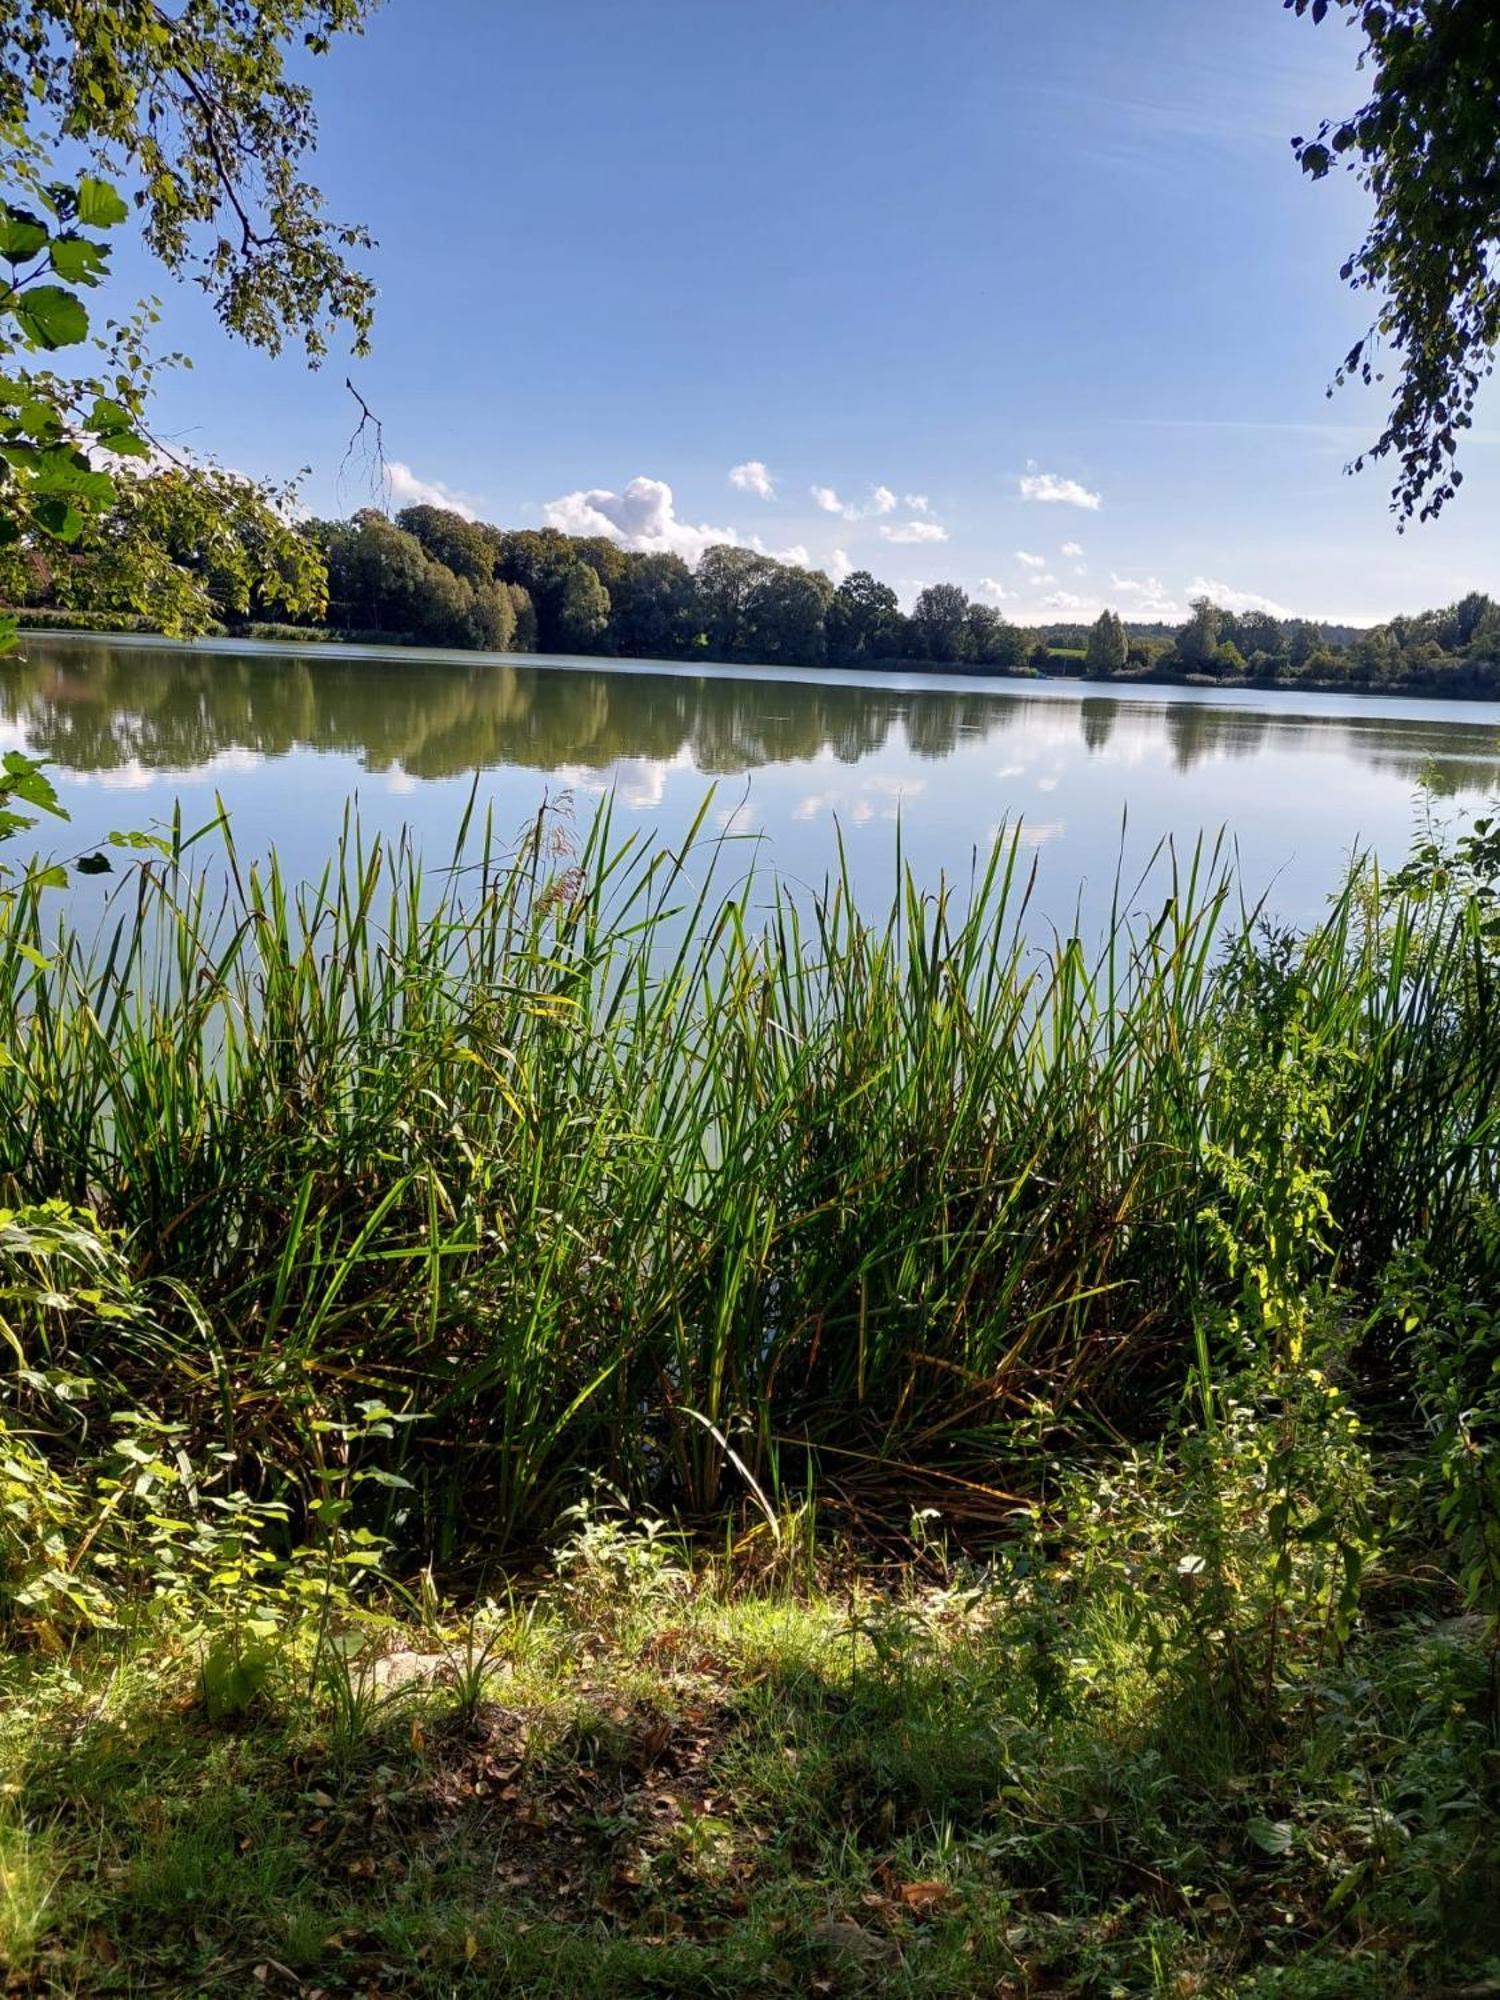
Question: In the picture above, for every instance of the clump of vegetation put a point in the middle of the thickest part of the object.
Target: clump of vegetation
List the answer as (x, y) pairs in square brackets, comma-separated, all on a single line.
[(1015, 1431), (577, 1159), (581, 1162)]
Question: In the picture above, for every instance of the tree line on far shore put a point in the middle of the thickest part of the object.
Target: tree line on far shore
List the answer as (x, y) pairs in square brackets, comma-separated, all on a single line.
[(434, 577)]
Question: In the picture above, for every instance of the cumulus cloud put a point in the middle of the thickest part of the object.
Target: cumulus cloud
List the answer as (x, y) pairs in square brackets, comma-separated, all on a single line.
[(916, 531), (1228, 598), (643, 517), (1053, 490), (919, 503), (840, 566), (1031, 561), (881, 501), (753, 477), (1065, 600), (1072, 548), (1149, 596), (409, 491), (994, 590), (796, 554)]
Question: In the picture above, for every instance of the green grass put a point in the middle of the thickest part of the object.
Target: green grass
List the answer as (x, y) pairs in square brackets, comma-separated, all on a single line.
[(1015, 1426), (689, 1789)]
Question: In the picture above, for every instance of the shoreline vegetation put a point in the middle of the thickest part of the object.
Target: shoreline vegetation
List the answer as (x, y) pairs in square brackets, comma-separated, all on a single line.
[(587, 1421), (577, 1422), (433, 577)]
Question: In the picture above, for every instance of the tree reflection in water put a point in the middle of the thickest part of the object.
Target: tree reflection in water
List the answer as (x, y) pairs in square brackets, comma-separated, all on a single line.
[(96, 706)]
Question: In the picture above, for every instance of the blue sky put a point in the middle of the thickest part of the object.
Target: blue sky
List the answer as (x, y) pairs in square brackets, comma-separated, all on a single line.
[(968, 281)]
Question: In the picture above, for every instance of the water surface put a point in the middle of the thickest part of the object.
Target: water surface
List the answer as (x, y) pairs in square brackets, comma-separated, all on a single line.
[(286, 738)]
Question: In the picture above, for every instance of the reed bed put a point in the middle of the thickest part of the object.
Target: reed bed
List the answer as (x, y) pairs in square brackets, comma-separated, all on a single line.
[(581, 1157)]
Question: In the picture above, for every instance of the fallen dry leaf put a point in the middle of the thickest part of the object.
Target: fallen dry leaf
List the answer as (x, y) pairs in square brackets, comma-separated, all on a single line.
[(923, 1896)]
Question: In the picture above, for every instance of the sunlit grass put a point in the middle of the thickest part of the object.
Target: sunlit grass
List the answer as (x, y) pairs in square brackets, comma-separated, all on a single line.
[(692, 1788)]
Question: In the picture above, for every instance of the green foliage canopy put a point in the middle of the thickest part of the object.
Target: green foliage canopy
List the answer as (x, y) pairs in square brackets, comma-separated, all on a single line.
[(1426, 145), (1107, 650)]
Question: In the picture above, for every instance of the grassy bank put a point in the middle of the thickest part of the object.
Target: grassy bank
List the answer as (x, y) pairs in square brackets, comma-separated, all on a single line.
[(658, 1784), (1069, 1373)]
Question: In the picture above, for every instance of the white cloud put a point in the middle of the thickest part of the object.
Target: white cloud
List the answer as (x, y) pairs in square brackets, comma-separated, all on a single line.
[(409, 491), (1150, 597), (919, 503), (1072, 548), (1053, 490), (1031, 561), (796, 554), (840, 566), (917, 531), (1048, 578), (642, 517), (1064, 600), (881, 501), (994, 590), (753, 477), (1229, 599)]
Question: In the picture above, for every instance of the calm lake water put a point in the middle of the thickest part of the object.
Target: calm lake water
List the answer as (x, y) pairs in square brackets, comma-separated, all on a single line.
[(1296, 782)]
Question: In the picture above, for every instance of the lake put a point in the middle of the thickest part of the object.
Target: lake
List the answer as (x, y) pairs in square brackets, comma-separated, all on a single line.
[(1297, 782)]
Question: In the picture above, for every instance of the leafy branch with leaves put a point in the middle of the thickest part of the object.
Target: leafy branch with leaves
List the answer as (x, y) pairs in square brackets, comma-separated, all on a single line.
[(1426, 146), (195, 115)]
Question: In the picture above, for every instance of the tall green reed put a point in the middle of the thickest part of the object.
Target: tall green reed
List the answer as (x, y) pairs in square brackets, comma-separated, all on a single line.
[(601, 1157)]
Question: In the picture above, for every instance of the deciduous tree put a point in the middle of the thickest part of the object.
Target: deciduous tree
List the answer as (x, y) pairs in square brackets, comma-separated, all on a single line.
[(583, 611), (939, 622), (1108, 649)]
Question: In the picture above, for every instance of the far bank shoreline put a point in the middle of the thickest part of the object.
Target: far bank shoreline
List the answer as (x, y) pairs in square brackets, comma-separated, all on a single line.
[(904, 677)]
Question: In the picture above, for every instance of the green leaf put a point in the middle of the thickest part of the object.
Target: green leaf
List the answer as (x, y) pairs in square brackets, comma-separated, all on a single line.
[(60, 472), (77, 261), (50, 317), (22, 777), (126, 444), (99, 205), (108, 416), (135, 839), (54, 876), (232, 1677), (1272, 1836), (21, 235), (39, 419), (58, 517)]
